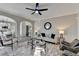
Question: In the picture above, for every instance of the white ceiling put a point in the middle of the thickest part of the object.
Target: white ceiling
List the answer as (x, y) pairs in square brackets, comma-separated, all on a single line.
[(54, 9)]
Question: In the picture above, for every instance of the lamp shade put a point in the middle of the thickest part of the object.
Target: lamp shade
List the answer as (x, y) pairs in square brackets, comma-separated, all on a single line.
[(61, 32)]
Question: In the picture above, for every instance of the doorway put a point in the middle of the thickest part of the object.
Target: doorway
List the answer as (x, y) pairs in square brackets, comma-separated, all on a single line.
[(26, 28)]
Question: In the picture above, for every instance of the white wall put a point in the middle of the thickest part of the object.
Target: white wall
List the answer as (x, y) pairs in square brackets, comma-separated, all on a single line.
[(18, 20), (39, 27), (23, 27), (77, 18), (71, 33), (60, 23)]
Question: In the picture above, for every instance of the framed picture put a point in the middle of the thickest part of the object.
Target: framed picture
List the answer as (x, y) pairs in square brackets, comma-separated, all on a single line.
[(47, 25)]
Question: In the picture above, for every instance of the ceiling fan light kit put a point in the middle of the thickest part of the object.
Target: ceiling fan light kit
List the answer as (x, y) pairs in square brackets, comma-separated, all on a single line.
[(37, 10)]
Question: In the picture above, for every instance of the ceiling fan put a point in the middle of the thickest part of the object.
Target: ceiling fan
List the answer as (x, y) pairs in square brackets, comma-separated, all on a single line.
[(37, 10)]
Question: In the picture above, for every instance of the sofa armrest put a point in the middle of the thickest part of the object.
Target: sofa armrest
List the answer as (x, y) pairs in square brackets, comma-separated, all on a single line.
[(66, 43)]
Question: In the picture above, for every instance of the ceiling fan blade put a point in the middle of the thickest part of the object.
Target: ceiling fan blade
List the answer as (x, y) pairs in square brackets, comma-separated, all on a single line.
[(33, 13), (39, 13), (30, 9), (42, 9), (37, 5)]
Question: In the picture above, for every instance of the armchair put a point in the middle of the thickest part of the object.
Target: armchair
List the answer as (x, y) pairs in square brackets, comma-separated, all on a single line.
[(8, 40)]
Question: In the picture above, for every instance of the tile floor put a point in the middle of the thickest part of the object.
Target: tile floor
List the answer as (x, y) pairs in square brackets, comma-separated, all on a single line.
[(23, 49)]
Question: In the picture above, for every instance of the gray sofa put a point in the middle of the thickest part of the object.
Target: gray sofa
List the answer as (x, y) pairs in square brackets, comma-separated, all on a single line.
[(72, 47)]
